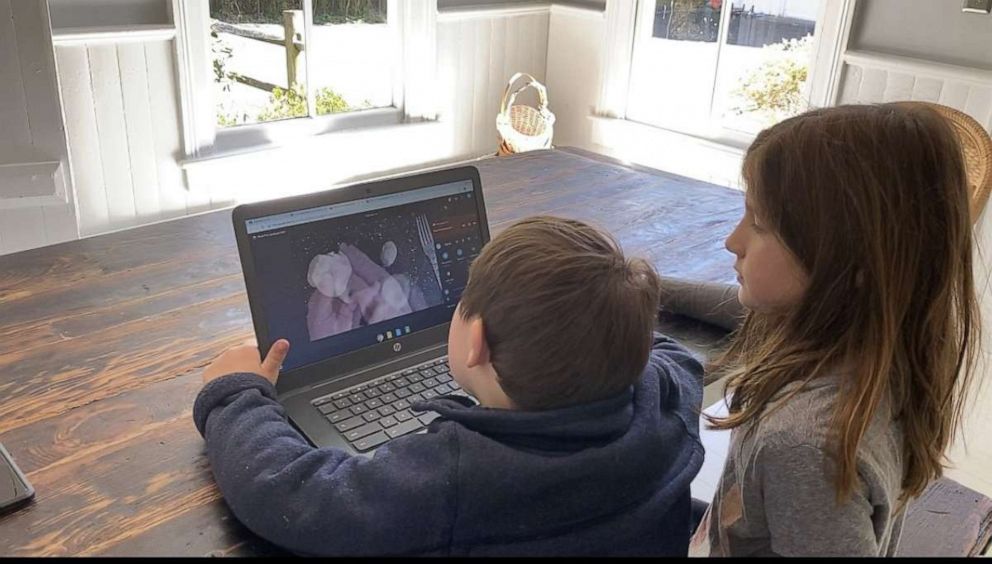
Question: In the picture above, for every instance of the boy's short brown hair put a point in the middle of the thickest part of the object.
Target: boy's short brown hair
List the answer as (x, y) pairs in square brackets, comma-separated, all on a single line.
[(568, 319)]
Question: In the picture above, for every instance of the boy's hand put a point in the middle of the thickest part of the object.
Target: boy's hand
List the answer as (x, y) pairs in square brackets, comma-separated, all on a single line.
[(245, 358)]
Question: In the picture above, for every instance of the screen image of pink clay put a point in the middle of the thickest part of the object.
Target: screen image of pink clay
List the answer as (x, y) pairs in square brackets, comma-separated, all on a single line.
[(352, 290)]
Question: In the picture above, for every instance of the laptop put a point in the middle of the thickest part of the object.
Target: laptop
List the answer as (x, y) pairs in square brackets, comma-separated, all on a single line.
[(363, 281)]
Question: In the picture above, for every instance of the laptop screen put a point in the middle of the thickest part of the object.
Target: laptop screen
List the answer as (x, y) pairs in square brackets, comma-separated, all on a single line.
[(340, 277)]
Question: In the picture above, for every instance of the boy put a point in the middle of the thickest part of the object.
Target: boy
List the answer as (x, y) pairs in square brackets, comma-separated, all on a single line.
[(584, 442)]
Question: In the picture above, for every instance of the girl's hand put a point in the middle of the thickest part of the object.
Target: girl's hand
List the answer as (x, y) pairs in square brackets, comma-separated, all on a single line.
[(246, 358)]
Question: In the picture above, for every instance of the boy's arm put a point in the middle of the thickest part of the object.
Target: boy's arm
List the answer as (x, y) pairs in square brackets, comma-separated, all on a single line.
[(710, 302), (322, 501), (680, 379), (667, 351)]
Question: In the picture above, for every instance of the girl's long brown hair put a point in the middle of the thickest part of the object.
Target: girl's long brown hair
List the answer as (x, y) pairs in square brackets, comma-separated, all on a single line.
[(873, 202)]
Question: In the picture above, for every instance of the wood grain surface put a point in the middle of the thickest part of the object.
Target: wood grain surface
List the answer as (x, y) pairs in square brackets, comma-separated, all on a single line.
[(103, 340)]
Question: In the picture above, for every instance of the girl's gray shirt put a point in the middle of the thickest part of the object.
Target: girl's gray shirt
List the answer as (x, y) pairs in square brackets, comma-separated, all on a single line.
[(777, 494)]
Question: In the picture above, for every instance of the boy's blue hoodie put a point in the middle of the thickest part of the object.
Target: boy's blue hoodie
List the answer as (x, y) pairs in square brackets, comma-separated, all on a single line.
[(605, 478)]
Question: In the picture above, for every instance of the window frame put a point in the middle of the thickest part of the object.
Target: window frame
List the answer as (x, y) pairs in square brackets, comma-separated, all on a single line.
[(414, 24), (625, 20)]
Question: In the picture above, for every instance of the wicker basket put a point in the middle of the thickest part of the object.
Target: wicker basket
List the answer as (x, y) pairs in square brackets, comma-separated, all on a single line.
[(523, 128), (976, 148)]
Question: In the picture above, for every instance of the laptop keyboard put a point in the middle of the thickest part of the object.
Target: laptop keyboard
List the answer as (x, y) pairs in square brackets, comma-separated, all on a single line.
[(375, 412)]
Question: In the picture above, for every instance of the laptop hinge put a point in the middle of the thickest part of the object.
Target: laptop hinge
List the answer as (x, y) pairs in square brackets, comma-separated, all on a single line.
[(401, 361)]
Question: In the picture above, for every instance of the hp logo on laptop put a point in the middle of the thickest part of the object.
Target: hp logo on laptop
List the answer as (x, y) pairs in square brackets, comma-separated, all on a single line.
[(397, 347)]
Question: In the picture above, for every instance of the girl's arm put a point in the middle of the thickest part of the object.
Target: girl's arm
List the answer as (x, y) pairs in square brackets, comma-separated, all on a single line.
[(801, 508), (709, 302)]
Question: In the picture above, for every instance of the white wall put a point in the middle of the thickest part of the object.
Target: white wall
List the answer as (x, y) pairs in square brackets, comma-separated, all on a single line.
[(476, 56), (871, 78), (934, 30), (477, 52), (124, 124), (87, 13), (575, 52), (36, 201)]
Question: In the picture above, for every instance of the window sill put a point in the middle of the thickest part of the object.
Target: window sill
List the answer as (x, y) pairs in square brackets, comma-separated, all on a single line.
[(272, 135), (272, 170), (708, 159), (716, 139)]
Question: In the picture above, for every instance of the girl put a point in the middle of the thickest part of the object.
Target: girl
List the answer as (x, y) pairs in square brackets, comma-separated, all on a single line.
[(849, 369)]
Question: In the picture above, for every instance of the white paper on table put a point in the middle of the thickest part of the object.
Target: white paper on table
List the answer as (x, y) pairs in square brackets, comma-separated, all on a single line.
[(717, 444)]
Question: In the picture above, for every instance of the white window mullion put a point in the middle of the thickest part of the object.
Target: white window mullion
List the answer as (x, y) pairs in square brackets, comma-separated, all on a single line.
[(394, 11), (415, 24), (721, 40), (308, 62), (837, 17), (622, 19), (192, 50)]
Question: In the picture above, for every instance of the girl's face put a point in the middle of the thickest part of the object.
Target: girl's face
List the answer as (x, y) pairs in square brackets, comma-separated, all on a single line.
[(771, 278)]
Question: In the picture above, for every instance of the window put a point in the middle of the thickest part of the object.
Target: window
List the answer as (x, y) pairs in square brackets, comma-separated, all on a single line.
[(283, 59), (722, 69), (253, 73)]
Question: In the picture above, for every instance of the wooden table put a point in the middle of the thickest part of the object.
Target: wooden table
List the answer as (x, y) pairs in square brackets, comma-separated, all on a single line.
[(102, 343)]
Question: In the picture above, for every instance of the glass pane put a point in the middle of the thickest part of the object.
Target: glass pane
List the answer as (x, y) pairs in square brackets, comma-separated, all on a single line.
[(756, 23), (764, 66), (687, 20), (352, 55), (259, 76), (673, 70)]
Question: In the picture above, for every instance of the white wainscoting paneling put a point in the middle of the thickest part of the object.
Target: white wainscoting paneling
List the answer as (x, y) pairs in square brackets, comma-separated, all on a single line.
[(870, 78), (576, 39), (36, 204), (122, 112), (125, 133), (477, 53)]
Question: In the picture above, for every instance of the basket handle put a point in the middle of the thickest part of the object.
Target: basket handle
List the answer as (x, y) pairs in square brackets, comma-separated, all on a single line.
[(509, 98)]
